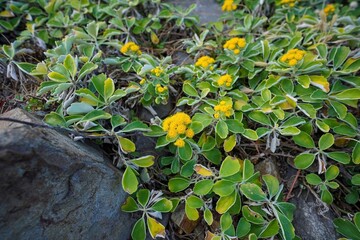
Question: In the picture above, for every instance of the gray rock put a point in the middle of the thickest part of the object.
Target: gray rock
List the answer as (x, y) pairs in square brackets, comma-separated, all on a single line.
[(311, 220), (268, 166), (54, 188)]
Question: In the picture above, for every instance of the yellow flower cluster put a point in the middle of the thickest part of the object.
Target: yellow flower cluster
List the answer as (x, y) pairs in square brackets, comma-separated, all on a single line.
[(130, 47), (176, 125), (329, 9), (228, 6), (223, 108), (160, 89), (292, 56), (225, 80), (179, 143), (291, 3), (157, 71), (235, 44), (142, 81), (204, 61)]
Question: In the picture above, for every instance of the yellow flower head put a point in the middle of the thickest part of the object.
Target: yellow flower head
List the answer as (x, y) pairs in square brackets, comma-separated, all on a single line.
[(204, 61), (130, 47), (223, 109), (329, 9), (228, 6), (225, 80), (179, 143), (157, 71), (160, 89), (142, 81), (177, 124), (235, 44), (292, 57)]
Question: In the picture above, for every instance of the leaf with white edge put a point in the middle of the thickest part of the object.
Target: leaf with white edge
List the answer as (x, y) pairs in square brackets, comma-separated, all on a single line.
[(272, 184), (191, 213), (252, 216), (331, 173), (326, 141), (260, 117), (313, 179), (322, 126), (55, 119), (243, 228), (126, 144), (304, 160), (340, 109), (222, 129), (230, 143), (225, 203), (208, 216), (194, 202), (250, 134), (304, 140), (356, 153), (177, 184), (186, 152), (143, 196), (163, 205), (223, 187), (290, 131), (225, 221), (348, 94), (340, 157), (57, 77), (71, 65), (139, 230), (229, 167), (252, 192), (287, 229), (326, 196), (203, 187), (95, 115), (129, 181), (109, 88), (307, 109), (320, 82), (156, 229), (135, 126), (189, 89), (145, 161), (79, 108), (129, 205)]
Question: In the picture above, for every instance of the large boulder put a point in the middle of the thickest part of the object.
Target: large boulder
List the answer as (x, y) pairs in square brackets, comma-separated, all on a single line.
[(55, 188)]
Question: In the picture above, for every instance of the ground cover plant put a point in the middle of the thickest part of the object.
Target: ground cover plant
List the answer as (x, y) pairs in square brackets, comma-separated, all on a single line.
[(267, 79)]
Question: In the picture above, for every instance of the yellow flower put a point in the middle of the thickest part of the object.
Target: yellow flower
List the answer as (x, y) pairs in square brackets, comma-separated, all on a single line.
[(177, 124), (292, 57), (179, 143), (329, 9), (142, 81), (160, 89), (190, 133), (291, 3), (228, 6), (223, 108), (235, 44), (157, 71), (130, 47), (225, 80), (204, 61)]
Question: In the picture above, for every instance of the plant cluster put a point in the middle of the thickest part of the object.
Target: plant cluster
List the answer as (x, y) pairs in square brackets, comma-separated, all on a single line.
[(276, 81)]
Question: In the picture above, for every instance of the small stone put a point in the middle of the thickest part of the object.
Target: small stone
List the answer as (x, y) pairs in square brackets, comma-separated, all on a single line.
[(268, 166)]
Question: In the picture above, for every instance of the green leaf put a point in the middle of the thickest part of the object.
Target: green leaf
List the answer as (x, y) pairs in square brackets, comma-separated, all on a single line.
[(340, 56), (347, 229), (55, 119), (304, 140), (70, 65), (250, 134), (109, 88), (129, 181), (326, 141), (86, 69), (209, 143), (143, 196), (139, 230), (272, 184), (177, 184), (208, 216), (95, 115), (230, 143), (307, 109), (243, 228), (222, 129), (331, 173), (229, 167), (270, 230), (287, 229), (191, 213), (290, 131), (78, 108), (357, 220), (340, 109), (252, 216), (225, 203), (57, 77), (304, 160), (116, 121), (253, 192), (225, 221), (235, 126), (190, 90), (326, 196), (313, 179), (163, 205), (223, 187), (348, 94), (260, 117), (322, 126), (356, 153), (135, 126), (126, 144), (214, 155), (203, 187), (145, 161), (129, 205), (194, 202), (185, 153), (340, 157), (355, 180)]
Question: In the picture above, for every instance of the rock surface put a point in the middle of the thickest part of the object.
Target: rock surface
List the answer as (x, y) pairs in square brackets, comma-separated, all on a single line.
[(311, 221), (54, 188)]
